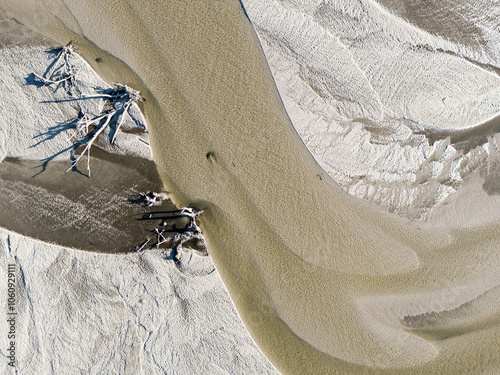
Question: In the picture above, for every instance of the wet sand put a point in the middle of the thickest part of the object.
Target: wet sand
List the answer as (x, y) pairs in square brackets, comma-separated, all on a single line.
[(324, 283), (104, 311), (102, 213)]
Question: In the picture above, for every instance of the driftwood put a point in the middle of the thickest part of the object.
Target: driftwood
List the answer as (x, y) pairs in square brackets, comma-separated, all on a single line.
[(122, 98), (62, 70), (192, 231), (88, 128), (149, 199)]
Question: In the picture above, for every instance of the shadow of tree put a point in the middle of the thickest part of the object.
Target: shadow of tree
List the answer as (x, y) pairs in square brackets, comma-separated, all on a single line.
[(54, 131), (47, 160), (32, 80), (50, 134), (87, 126)]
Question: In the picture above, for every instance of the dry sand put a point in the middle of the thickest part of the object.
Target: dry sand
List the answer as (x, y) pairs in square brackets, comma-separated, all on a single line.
[(88, 313), (395, 96), (324, 283)]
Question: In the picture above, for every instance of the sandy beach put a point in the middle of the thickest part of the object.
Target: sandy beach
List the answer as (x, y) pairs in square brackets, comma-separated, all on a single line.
[(324, 282)]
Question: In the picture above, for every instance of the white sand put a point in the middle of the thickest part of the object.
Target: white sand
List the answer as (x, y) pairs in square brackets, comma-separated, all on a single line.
[(35, 127), (121, 314), (353, 87)]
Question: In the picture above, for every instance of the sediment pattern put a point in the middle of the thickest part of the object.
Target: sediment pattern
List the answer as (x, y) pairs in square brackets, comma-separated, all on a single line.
[(324, 282)]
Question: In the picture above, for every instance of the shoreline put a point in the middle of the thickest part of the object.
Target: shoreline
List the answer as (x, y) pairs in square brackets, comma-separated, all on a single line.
[(92, 308), (282, 252)]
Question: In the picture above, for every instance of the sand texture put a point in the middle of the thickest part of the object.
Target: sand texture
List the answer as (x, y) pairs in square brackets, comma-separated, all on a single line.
[(324, 282), (36, 123), (79, 311), (82, 312), (396, 97)]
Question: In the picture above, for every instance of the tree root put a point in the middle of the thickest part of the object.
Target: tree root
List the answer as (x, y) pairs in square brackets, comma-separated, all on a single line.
[(122, 99), (192, 231), (62, 70), (89, 128)]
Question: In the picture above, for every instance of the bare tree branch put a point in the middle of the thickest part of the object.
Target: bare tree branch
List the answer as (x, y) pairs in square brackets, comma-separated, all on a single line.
[(62, 70), (122, 99)]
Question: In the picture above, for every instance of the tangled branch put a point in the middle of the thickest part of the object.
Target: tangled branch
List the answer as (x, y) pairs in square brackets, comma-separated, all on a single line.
[(62, 70), (122, 98), (88, 128), (192, 231)]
